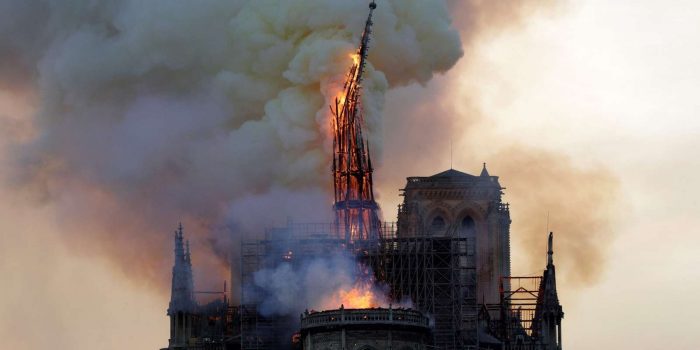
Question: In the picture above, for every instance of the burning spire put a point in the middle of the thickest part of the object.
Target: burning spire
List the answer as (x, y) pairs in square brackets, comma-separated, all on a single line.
[(356, 211)]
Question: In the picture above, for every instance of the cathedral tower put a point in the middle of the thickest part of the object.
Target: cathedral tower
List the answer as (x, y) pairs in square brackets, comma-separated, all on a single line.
[(456, 204)]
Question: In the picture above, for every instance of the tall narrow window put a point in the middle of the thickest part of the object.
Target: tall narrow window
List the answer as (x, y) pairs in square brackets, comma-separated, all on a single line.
[(468, 227), (438, 223)]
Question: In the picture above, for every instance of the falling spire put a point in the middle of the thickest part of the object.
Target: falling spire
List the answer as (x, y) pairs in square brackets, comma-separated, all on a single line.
[(356, 210)]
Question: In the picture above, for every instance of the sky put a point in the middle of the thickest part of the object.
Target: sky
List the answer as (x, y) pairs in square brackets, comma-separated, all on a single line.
[(615, 83), (608, 85)]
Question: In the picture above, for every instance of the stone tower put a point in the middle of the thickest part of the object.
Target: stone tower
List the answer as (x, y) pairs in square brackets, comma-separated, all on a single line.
[(456, 204)]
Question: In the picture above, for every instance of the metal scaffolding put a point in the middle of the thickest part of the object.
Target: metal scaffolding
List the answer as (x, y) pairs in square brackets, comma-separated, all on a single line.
[(518, 306), (255, 330), (438, 274), (291, 244)]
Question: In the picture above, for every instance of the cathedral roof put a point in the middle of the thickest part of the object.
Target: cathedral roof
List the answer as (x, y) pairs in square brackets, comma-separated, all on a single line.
[(452, 173), (452, 178)]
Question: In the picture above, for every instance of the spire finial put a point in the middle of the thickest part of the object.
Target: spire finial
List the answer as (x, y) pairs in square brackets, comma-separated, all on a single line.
[(484, 172), (178, 241), (451, 153), (179, 231), (550, 251), (364, 42)]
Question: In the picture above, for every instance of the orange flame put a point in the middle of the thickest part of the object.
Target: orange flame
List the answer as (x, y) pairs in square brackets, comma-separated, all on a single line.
[(341, 94), (355, 58), (361, 296)]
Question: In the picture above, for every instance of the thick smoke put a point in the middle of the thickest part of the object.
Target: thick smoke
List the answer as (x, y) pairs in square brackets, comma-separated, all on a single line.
[(315, 284), (210, 112), (214, 112), (548, 190)]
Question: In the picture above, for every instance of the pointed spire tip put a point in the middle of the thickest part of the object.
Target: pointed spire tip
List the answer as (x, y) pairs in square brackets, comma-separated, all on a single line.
[(484, 172), (550, 249)]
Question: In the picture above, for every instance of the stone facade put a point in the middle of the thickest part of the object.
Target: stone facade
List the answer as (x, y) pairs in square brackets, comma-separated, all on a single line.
[(456, 204)]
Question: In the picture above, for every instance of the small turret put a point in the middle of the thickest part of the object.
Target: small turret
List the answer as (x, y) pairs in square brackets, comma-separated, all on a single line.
[(484, 172), (549, 313), (182, 292), (182, 303)]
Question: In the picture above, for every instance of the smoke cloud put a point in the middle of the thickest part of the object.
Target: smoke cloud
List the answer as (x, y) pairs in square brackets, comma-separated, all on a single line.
[(214, 113), (578, 202), (211, 112), (318, 284)]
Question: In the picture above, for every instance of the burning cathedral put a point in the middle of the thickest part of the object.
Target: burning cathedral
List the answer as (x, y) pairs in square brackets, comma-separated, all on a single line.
[(438, 278)]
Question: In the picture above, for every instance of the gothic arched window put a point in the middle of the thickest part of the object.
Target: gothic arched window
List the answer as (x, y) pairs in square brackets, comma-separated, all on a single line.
[(467, 226), (438, 223)]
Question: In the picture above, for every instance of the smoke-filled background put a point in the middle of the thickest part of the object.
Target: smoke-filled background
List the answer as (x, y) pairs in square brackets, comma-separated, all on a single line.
[(120, 118), (212, 113)]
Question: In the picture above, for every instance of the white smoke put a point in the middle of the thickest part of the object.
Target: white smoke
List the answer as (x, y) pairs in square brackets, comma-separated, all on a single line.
[(210, 111), (286, 290), (316, 284)]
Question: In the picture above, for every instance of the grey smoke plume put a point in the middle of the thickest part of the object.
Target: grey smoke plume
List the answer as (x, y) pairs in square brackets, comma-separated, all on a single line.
[(212, 112), (313, 284)]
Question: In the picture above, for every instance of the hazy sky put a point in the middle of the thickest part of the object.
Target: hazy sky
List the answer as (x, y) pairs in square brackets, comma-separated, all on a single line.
[(616, 83), (610, 83)]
